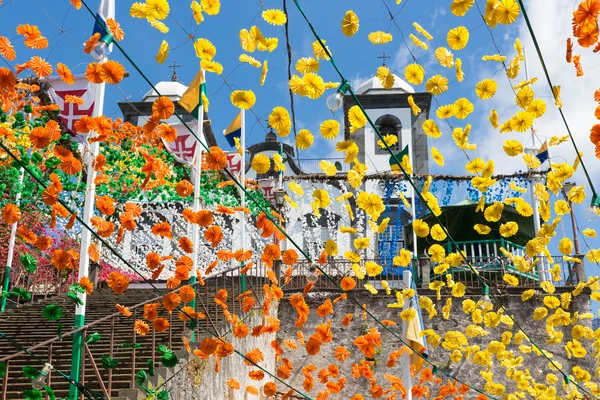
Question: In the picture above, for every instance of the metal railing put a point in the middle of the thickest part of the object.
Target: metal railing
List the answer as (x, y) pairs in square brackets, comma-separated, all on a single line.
[(43, 282), (491, 270), (311, 165), (116, 330)]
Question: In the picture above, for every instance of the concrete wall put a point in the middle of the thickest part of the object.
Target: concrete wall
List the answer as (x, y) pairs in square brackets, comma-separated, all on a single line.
[(458, 321), (195, 379)]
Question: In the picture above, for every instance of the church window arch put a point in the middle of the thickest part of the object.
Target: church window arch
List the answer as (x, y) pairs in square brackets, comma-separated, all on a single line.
[(388, 125)]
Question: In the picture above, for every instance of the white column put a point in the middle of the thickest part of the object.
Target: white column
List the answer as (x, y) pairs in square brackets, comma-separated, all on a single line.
[(243, 178), (196, 175)]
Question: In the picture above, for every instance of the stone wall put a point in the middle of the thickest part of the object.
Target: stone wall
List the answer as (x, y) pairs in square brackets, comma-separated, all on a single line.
[(465, 370), (195, 379)]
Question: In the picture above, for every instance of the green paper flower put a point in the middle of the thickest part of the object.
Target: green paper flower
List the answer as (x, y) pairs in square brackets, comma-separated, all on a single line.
[(162, 395), (28, 262), (169, 359), (109, 363), (32, 394), (73, 296), (150, 368), (141, 377), (52, 312), (50, 392), (30, 372), (22, 293), (3, 369), (93, 338)]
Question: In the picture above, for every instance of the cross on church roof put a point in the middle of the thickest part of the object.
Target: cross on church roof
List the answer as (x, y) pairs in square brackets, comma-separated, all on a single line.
[(384, 56), (174, 77)]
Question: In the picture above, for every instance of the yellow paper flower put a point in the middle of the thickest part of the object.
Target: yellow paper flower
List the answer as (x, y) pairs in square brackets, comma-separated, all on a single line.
[(372, 268), (436, 252), (509, 229), (245, 58), (444, 57), (163, 52), (304, 139), (158, 9), (486, 89), (512, 147), (306, 65), (460, 7), (356, 117), (138, 10), (321, 198), (402, 259), (431, 129), (327, 167), (263, 73), (361, 243), (418, 42), (463, 107), (565, 246), (511, 280), (589, 232), (212, 66), (458, 38), (261, 163), (204, 49), (437, 156), (386, 77), (350, 23), (279, 119), (414, 73), (507, 11), (274, 17), (318, 50), (413, 106), (437, 84), (437, 233), (421, 228), (313, 85), (243, 99), (162, 28), (267, 44), (197, 12), (422, 31), (380, 37), (446, 111), (482, 229), (494, 212), (460, 75), (390, 140), (330, 129), (408, 314), (296, 188), (331, 248)]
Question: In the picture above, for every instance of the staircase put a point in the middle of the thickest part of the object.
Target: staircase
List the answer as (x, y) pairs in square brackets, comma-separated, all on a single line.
[(28, 327)]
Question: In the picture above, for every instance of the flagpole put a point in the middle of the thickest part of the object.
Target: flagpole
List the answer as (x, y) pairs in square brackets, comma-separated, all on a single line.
[(11, 249), (86, 237), (541, 266), (406, 376), (197, 175), (243, 194)]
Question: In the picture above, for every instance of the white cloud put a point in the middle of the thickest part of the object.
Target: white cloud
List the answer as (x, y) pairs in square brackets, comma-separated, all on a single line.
[(440, 11), (551, 27)]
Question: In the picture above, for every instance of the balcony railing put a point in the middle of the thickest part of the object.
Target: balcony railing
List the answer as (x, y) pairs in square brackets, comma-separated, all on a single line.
[(311, 165), (490, 271)]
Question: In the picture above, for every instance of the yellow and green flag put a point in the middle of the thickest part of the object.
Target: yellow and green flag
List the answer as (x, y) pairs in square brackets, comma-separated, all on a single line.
[(394, 166), (195, 95)]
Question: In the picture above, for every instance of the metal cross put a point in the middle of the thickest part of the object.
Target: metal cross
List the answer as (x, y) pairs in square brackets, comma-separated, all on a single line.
[(174, 77), (384, 56)]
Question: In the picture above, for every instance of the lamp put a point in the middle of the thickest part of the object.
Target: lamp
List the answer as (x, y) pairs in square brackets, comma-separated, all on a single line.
[(567, 186), (100, 49), (280, 197), (334, 101), (40, 381), (485, 303), (593, 212), (312, 276)]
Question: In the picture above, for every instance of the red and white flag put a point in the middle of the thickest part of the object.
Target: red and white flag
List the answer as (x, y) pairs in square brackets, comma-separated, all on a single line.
[(185, 146), (71, 112)]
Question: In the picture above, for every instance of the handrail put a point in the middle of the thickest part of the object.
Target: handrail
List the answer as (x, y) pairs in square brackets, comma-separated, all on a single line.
[(96, 322)]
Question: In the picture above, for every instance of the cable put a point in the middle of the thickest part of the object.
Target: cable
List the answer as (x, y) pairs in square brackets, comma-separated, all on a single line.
[(357, 101), (562, 115), (87, 392)]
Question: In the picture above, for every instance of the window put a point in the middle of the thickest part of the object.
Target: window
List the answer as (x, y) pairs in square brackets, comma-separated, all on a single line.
[(388, 125)]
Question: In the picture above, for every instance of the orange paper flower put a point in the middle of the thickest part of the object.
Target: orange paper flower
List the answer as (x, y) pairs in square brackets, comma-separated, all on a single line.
[(11, 213)]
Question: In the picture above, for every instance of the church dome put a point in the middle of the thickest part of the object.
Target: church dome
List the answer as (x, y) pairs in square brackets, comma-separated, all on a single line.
[(373, 85), (172, 90)]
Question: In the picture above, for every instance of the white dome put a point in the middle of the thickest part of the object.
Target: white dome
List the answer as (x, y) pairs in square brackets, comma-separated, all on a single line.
[(374, 84), (172, 90)]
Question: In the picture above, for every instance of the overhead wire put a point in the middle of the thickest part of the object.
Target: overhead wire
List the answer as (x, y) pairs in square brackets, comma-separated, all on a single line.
[(471, 268), (268, 215)]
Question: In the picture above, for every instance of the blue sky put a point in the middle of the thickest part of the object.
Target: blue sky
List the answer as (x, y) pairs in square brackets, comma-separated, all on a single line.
[(356, 57)]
